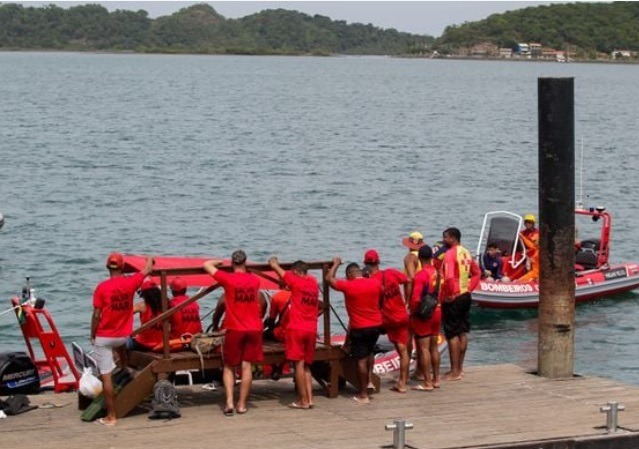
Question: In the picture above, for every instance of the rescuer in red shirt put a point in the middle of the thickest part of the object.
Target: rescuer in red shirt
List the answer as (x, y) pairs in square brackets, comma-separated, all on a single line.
[(243, 324), (361, 297), (301, 330), (112, 323)]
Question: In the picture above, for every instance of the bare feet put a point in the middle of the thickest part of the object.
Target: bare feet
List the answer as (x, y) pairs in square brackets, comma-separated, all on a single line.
[(398, 389), (453, 377)]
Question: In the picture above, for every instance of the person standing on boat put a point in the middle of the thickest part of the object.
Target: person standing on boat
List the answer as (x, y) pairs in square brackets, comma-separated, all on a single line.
[(112, 323), (361, 297), (394, 313), (530, 231), (460, 276), (243, 323), (187, 320), (426, 332), (301, 331), (532, 261)]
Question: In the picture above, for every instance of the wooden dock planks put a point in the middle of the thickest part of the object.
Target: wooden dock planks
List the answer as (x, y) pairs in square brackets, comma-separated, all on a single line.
[(493, 405)]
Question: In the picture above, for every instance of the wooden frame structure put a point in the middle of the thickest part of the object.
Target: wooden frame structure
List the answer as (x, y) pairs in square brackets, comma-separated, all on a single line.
[(153, 366)]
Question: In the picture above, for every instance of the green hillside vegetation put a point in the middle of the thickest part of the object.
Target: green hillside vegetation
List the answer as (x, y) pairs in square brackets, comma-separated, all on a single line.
[(586, 28), (196, 29)]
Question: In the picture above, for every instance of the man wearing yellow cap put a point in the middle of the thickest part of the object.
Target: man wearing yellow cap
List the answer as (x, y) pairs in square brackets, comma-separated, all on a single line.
[(412, 266), (530, 231)]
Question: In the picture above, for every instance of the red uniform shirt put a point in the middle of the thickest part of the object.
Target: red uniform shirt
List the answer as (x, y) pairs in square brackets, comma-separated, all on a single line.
[(427, 277), (304, 300), (114, 297), (153, 336), (187, 320), (243, 311), (394, 307), (361, 296)]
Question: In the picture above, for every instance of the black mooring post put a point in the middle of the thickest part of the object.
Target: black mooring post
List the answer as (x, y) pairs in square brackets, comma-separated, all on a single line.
[(557, 227)]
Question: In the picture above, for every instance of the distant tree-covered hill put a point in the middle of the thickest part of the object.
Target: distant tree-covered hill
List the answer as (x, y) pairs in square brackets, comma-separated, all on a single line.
[(587, 27), (198, 29)]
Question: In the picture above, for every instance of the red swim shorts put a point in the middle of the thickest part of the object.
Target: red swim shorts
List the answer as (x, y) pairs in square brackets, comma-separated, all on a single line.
[(397, 332), (300, 345), (242, 346)]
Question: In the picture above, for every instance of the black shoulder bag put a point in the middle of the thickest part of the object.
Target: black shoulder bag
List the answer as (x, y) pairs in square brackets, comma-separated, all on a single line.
[(427, 301)]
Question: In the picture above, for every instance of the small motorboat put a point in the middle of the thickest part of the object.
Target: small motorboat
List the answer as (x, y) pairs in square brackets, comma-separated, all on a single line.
[(595, 277), (1, 220)]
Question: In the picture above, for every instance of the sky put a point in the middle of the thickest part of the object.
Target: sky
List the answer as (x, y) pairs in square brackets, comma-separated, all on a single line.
[(419, 17)]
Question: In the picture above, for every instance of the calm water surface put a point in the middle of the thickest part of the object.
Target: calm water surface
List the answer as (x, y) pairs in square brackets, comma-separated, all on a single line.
[(299, 157)]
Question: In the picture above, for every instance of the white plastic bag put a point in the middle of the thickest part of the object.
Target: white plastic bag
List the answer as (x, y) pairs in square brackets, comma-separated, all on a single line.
[(90, 385)]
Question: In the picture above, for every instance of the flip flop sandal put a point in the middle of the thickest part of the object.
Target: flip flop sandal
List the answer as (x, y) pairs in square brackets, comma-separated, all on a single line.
[(104, 422), (298, 406), (422, 388), (241, 411), (228, 411), (360, 401)]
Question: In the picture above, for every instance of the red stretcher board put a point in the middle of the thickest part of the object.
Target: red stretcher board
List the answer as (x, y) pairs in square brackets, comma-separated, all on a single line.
[(135, 262)]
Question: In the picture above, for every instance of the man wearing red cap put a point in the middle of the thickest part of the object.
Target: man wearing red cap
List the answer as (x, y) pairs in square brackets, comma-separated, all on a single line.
[(394, 313), (243, 324), (187, 320), (112, 322)]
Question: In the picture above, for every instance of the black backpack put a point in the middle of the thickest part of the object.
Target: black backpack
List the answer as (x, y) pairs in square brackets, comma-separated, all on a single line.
[(427, 302), (165, 402)]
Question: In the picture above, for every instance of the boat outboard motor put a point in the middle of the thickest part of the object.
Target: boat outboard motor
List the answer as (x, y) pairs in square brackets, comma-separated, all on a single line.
[(18, 374), (1, 220)]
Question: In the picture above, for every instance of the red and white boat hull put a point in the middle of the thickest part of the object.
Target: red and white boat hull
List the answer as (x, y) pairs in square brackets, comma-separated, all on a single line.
[(589, 285)]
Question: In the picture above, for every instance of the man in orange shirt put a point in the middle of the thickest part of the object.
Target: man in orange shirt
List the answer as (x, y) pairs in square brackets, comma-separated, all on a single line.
[(530, 231), (275, 324), (243, 324)]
